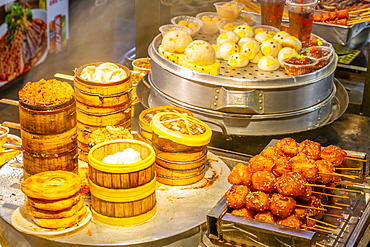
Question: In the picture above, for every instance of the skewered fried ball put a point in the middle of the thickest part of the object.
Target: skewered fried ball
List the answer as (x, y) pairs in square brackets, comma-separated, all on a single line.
[(288, 145), (261, 163), (291, 221), (300, 213), (310, 148), (300, 157), (281, 206), (314, 211), (291, 184), (257, 201), (306, 195), (333, 154), (326, 170), (282, 165), (235, 196), (244, 212), (240, 174), (306, 169), (266, 216), (263, 181), (273, 153)]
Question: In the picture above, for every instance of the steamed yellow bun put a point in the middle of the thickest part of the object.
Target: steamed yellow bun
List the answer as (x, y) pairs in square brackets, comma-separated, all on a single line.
[(200, 52), (176, 41)]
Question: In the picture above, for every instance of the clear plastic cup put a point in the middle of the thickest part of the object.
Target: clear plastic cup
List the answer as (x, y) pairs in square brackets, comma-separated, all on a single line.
[(272, 12), (229, 10), (323, 54), (210, 20), (294, 67), (301, 14)]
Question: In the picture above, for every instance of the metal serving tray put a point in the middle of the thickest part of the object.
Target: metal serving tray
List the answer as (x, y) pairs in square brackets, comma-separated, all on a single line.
[(225, 229)]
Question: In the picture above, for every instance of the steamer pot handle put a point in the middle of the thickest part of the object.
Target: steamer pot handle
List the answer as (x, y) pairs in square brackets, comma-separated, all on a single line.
[(222, 127), (251, 99)]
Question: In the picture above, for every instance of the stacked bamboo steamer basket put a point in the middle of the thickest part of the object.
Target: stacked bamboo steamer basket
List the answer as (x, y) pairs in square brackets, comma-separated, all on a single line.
[(49, 132), (122, 194), (180, 143), (101, 104)]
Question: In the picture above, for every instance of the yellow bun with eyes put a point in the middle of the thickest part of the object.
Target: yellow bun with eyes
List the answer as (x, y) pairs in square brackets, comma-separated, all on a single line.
[(268, 63)]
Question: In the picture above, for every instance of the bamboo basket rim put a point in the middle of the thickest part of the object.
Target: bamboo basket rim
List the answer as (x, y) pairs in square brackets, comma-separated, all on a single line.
[(77, 73), (124, 221), (118, 168), (123, 195), (47, 108)]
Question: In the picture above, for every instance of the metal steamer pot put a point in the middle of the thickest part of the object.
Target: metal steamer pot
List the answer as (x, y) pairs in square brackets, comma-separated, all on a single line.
[(240, 90), (238, 138)]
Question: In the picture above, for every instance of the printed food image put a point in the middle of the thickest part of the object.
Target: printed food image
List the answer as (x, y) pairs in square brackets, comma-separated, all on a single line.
[(23, 44)]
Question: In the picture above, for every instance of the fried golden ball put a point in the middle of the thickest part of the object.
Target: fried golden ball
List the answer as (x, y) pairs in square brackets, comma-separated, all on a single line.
[(326, 170), (333, 154), (235, 196), (291, 221), (240, 175), (306, 169), (281, 206), (244, 212), (288, 145), (263, 181), (291, 184), (282, 165), (257, 201), (266, 216), (261, 163), (273, 153), (310, 148)]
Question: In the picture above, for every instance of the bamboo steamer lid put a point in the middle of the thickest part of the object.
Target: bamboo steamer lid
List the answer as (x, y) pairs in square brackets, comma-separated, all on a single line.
[(147, 115), (181, 128)]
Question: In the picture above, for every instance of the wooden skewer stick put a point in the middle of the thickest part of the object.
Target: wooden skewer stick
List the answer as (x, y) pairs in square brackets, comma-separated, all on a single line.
[(357, 159), (322, 222), (318, 229), (326, 228), (333, 215), (64, 76), (348, 190), (320, 245), (358, 21), (352, 155), (330, 206), (332, 188), (327, 194), (339, 174), (341, 204), (359, 10), (303, 206), (349, 168), (349, 183)]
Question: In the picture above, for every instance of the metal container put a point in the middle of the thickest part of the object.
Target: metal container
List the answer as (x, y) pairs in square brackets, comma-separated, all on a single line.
[(224, 228), (252, 142), (240, 90), (250, 124)]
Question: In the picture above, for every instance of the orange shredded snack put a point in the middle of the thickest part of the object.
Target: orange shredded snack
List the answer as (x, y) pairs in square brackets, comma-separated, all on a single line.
[(46, 92)]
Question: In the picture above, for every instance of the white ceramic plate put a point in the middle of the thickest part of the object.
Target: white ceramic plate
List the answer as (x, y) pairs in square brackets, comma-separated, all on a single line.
[(23, 222)]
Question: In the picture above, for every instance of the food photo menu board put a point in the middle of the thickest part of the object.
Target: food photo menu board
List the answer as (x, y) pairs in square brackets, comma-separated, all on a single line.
[(29, 31)]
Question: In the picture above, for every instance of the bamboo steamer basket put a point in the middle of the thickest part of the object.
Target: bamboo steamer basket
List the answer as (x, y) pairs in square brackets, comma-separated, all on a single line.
[(145, 131), (122, 194), (123, 206), (121, 176), (36, 163), (49, 144), (102, 94), (180, 142), (47, 120)]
